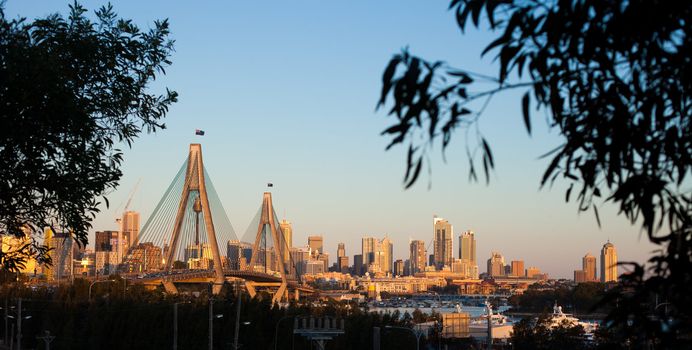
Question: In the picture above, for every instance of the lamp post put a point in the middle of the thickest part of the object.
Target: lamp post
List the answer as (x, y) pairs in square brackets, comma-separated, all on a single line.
[(92, 284), (175, 323), (211, 323), (416, 333), (276, 330)]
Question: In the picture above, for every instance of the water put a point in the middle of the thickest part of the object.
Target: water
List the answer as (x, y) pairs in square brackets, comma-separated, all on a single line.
[(474, 311)]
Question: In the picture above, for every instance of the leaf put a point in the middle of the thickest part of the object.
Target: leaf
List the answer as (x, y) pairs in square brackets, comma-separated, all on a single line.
[(489, 153), (525, 110), (387, 78), (598, 219), (569, 191), (415, 174)]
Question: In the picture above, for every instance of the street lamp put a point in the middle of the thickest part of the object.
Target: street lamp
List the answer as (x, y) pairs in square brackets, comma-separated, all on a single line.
[(175, 323), (276, 330), (416, 333), (92, 284)]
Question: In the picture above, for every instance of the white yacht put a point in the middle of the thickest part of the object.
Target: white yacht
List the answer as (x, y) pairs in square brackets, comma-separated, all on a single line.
[(560, 318), (500, 325)]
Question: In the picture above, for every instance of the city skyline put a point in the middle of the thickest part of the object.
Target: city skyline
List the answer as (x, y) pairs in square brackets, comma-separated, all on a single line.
[(330, 162)]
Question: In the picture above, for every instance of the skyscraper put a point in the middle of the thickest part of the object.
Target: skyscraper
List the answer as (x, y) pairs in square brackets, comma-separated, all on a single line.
[(369, 246), (287, 230), (417, 256), (386, 264), (467, 253), (443, 242), (130, 229), (467, 246), (496, 265), (609, 261), (588, 263), (340, 250), (316, 243), (517, 268)]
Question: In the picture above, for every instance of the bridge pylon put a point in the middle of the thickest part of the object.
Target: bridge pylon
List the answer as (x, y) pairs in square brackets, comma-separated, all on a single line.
[(195, 185), (269, 255)]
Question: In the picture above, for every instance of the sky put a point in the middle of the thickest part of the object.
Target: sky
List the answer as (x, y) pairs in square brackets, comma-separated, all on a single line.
[(286, 93)]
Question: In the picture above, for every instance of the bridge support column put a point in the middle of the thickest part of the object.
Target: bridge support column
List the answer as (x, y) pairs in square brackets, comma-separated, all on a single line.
[(169, 287), (251, 291)]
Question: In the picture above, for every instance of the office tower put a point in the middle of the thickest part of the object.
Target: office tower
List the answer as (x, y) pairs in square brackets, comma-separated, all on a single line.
[(324, 258), (443, 242), (588, 264), (342, 262), (340, 250), (398, 268), (145, 257), (300, 257), (369, 246), (130, 229), (107, 251), (579, 276), (532, 272), (358, 264), (496, 265), (11, 243), (517, 268), (609, 261), (234, 253), (316, 245), (467, 246), (387, 255), (467, 253), (508, 270), (60, 245), (287, 230), (417, 256)]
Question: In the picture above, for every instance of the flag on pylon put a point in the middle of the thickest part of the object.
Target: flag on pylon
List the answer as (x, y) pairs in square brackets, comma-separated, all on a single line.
[(199, 132), (269, 184)]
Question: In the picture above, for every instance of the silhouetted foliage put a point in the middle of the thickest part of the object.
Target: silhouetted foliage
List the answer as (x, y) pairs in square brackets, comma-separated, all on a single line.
[(583, 298), (614, 79), (537, 334), (72, 90)]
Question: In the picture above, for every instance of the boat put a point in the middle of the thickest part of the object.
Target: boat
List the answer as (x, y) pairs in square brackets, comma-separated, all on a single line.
[(559, 318), (500, 325)]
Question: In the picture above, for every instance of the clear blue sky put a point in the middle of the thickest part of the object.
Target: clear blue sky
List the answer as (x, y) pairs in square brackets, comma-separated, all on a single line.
[(286, 92)]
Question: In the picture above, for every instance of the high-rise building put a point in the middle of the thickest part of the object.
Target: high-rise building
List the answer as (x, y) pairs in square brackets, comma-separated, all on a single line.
[(358, 264), (398, 268), (588, 264), (324, 258), (579, 276), (60, 245), (10, 243), (532, 272), (287, 230), (342, 262), (108, 251), (377, 254), (467, 246), (496, 265), (467, 253), (387, 256), (443, 234), (130, 229), (609, 263), (369, 246), (340, 250), (417, 256), (300, 257), (316, 244), (145, 257), (517, 268)]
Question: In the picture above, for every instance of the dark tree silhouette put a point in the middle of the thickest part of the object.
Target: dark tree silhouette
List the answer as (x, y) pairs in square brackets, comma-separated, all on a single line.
[(614, 78), (72, 90)]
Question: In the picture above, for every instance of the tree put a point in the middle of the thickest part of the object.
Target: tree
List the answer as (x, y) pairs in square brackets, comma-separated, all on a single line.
[(72, 91), (614, 78)]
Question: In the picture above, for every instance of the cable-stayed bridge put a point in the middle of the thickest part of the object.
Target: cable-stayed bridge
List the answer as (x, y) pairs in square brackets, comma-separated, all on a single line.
[(192, 236)]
